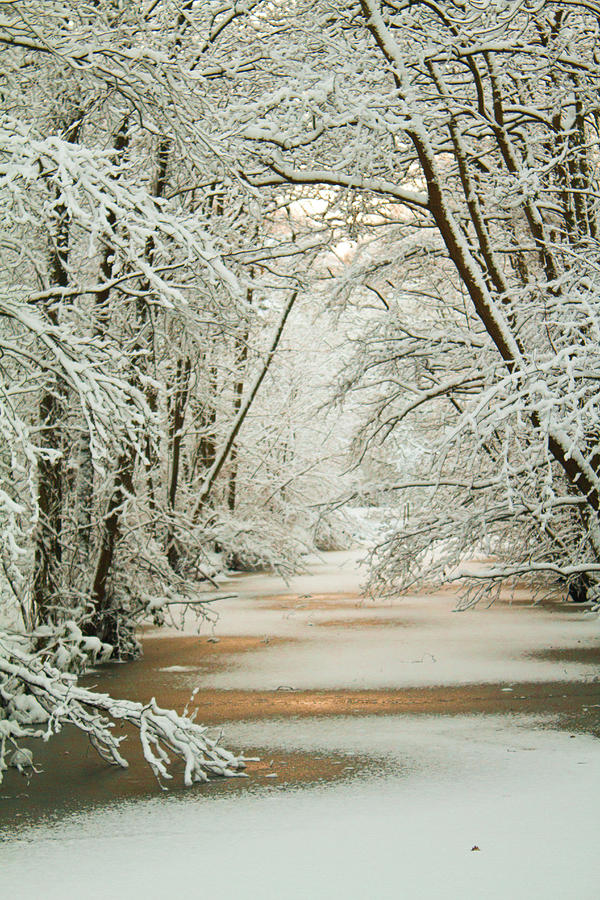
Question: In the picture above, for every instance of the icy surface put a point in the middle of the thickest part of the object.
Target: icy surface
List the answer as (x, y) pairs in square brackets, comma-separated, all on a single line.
[(527, 798), (430, 643), (405, 820)]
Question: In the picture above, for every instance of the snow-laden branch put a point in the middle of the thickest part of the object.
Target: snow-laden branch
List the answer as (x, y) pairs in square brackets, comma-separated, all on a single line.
[(37, 700), (91, 189), (503, 573), (289, 174)]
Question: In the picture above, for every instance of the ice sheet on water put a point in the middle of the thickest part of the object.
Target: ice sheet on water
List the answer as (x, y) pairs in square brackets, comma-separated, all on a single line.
[(527, 798)]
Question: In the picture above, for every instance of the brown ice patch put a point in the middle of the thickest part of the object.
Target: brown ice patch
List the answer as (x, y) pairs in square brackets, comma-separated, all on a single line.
[(72, 777), (285, 769), (574, 702), (201, 651), (366, 621), (158, 673), (582, 655), (314, 601), (520, 594)]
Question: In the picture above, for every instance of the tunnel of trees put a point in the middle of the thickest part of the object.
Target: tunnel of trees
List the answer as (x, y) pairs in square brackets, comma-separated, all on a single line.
[(261, 263)]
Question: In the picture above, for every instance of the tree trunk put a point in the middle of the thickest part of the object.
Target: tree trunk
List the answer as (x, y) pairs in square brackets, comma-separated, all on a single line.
[(176, 420), (106, 618), (241, 352), (46, 587), (85, 491), (104, 621)]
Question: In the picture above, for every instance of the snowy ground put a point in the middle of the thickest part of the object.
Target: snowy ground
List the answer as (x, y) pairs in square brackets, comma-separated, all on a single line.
[(420, 792)]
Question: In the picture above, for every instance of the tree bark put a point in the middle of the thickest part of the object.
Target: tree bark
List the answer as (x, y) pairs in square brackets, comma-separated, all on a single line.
[(176, 420), (85, 491), (241, 353), (104, 620), (46, 587)]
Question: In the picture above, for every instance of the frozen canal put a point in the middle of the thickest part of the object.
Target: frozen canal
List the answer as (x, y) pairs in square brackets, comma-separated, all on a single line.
[(394, 740)]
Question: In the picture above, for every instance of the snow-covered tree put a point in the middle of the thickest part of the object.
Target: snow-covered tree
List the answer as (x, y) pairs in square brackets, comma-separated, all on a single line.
[(466, 133), (128, 242)]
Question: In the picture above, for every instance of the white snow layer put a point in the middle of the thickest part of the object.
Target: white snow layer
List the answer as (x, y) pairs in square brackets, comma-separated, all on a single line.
[(527, 798)]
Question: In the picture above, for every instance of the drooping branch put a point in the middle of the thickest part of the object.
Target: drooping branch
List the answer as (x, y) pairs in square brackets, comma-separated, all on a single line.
[(42, 700)]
